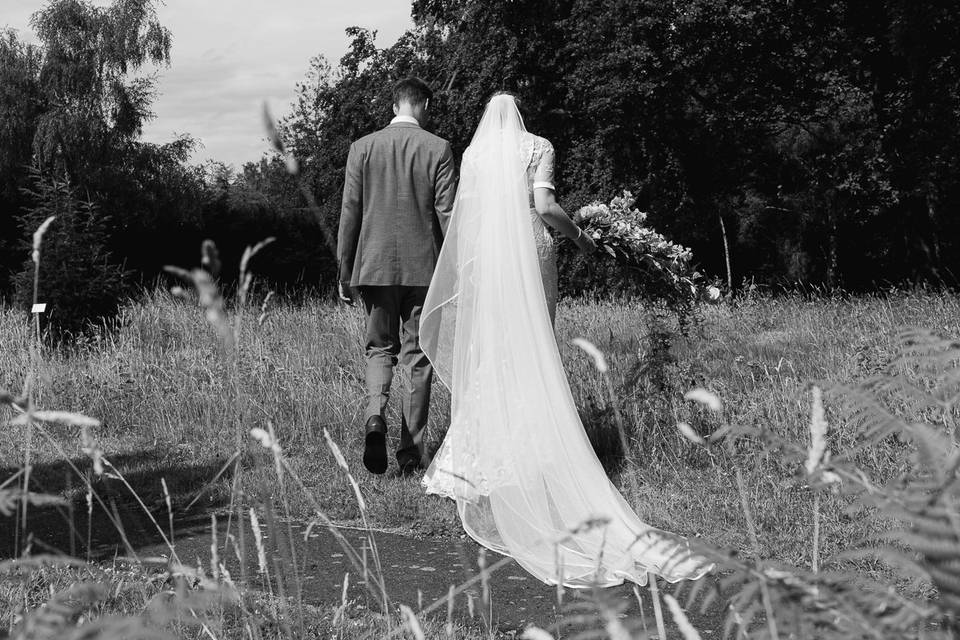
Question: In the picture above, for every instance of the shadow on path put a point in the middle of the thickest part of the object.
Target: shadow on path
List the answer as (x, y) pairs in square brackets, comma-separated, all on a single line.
[(77, 529)]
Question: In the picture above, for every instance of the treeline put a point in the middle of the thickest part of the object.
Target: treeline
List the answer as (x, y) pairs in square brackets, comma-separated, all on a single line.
[(822, 138), (71, 114), (819, 140)]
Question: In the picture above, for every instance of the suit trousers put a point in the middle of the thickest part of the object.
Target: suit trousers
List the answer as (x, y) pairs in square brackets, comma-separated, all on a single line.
[(393, 333)]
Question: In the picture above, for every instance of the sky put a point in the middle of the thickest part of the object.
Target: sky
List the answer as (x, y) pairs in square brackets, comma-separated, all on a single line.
[(231, 56)]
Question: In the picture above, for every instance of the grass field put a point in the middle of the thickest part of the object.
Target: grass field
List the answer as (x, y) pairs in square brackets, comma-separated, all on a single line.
[(171, 405)]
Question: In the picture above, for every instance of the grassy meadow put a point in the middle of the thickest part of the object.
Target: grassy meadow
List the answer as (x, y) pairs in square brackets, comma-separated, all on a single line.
[(174, 405)]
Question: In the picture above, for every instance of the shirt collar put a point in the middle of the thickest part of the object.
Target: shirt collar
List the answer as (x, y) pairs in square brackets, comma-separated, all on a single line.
[(407, 119)]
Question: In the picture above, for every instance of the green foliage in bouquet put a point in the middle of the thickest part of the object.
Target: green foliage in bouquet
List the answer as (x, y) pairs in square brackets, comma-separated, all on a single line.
[(632, 259)]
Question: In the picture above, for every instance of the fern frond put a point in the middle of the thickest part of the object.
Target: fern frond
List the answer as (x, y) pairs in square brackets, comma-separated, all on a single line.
[(933, 446), (930, 548), (53, 619), (862, 412), (10, 498), (126, 627), (946, 579), (923, 524), (893, 557), (32, 564)]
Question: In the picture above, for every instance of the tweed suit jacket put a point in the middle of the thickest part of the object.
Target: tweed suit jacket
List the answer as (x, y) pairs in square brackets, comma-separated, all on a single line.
[(397, 198)]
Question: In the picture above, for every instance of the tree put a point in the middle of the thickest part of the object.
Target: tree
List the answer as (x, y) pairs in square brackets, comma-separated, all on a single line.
[(94, 109), (822, 136), (909, 62), (73, 113), (20, 105)]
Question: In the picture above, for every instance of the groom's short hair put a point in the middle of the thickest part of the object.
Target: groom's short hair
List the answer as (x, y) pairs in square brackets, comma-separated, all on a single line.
[(411, 90)]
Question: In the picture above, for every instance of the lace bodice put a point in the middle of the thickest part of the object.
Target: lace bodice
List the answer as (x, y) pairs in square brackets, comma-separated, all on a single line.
[(538, 157)]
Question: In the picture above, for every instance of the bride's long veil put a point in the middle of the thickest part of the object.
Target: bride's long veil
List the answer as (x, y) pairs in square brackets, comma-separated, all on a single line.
[(516, 458)]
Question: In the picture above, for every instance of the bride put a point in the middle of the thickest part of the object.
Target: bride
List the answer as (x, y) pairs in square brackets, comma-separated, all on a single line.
[(516, 458)]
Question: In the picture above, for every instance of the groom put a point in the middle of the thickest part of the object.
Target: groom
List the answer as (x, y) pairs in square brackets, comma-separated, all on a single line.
[(397, 198)]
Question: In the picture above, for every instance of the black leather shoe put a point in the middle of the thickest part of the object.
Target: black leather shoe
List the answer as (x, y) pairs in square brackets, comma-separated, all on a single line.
[(408, 467), (375, 446)]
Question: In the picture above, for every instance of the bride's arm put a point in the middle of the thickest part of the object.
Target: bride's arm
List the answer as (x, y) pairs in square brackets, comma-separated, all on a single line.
[(553, 214)]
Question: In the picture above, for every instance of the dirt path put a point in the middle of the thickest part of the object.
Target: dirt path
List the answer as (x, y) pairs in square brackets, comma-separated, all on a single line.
[(418, 573)]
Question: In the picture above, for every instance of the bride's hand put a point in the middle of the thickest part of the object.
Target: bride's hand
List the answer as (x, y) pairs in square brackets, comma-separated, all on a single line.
[(585, 243)]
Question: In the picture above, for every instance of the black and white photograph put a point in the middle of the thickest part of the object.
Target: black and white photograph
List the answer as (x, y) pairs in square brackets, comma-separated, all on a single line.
[(479, 319)]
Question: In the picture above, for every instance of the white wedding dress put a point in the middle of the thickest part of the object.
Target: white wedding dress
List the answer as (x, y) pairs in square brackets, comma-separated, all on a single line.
[(516, 459)]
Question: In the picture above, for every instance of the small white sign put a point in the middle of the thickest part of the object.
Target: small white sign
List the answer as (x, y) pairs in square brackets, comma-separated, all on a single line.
[(39, 308)]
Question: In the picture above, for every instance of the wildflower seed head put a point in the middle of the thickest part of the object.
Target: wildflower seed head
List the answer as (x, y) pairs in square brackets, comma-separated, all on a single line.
[(337, 454), (686, 629), (258, 541), (817, 453), (599, 361), (272, 134), (210, 258), (410, 619), (250, 252), (266, 440), (688, 432), (705, 397), (535, 633), (38, 238), (293, 166)]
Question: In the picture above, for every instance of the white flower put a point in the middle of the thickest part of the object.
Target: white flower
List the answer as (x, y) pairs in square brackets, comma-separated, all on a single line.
[(706, 398), (265, 438), (592, 211), (829, 477), (687, 431)]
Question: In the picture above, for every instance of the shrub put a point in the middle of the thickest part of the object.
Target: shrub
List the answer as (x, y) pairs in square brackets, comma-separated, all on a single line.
[(79, 281)]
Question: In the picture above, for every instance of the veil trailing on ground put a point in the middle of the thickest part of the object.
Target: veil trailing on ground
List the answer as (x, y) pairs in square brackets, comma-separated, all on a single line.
[(516, 458)]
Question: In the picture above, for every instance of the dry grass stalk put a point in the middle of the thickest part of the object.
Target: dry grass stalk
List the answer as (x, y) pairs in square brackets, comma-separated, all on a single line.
[(341, 610), (643, 616), (451, 600), (686, 629), (258, 541), (657, 608)]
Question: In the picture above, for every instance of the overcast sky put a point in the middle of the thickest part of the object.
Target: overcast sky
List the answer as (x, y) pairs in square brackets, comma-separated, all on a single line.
[(229, 56)]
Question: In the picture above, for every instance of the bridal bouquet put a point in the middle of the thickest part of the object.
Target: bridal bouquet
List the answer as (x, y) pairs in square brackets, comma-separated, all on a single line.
[(647, 261), (619, 229)]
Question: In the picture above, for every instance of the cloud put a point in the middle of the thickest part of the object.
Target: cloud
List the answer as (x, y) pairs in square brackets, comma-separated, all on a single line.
[(234, 55), (229, 56)]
